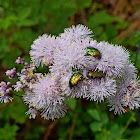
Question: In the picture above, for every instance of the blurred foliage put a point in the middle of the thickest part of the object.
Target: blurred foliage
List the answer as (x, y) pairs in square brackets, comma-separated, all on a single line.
[(21, 22)]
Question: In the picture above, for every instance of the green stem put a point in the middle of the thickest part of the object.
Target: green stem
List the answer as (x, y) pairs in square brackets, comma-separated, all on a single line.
[(127, 124)]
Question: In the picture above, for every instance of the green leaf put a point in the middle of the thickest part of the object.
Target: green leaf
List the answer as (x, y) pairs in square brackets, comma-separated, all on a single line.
[(121, 24), (27, 22), (103, 36), (35, 133), (99, 18), (136, 34), (72, 103), (8, 21), (16, 111), (56, 7), (8, 132), (4, 47), (94, 114), (135, 134), (105, 118), (103, 135), (83, 3), (24, 38), (12, 56), (97, 30), (115, 131), (111, 31), (96, 126), (135, 137), (24, 12), (133, 40)]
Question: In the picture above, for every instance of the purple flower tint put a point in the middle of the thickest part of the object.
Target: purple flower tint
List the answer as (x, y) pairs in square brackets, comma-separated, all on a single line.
[(54, 110), (46, 96), (26, 77), (24, 71), (76, 33), (89, 62), (68, 57), (32, 112), (18, 74), (114, 59), (127, 95), (26, 65), (19, 86), (42, 50), (104, 69), (101, 88), (129, 72), (117, 106), (19, 60), (33, 67), (96, 89), (4, 90), (8, 90), (11, 73), (132, 94)]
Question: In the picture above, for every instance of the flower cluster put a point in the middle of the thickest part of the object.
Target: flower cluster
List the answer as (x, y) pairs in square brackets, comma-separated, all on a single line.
[(27, 77), (4, 92), (79, 67), (11, 73)]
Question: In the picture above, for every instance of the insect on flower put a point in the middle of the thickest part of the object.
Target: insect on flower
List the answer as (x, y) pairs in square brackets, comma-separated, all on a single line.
[(95, 74), (93, 52), (78, 67), (75, 78)]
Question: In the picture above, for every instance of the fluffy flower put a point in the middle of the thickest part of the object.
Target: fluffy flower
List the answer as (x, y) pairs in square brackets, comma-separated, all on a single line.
[(42, 50), (127, 95), (5, 98), (68, 57), (32, 112), (68, 91), (76, 32), (46, 97), (4, 90), (101, 88), (54, 110), (116, 104), (18, 86), (114, 59), (89, 62), (78, 67), (91, 88), (129, 72), (19, 60), (11, 73), (132, 93)]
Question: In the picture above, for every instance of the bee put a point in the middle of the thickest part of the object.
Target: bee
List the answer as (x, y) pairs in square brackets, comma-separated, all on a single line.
[(95, 74), (93, 52), (75, 79)]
